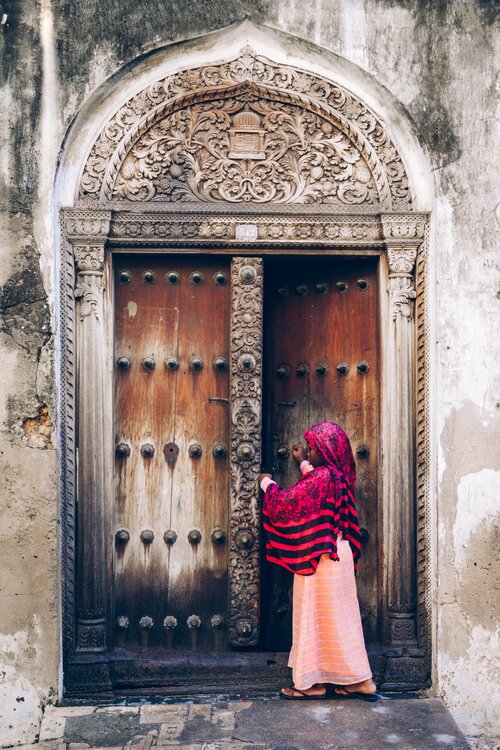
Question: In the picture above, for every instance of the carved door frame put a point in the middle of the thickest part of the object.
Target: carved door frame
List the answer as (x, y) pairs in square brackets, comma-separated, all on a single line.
[(90, 238), (127, 201)]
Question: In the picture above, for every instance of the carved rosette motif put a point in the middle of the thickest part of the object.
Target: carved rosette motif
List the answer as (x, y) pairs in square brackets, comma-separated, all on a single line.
[(128, 228), (248, 130), (246, 406)]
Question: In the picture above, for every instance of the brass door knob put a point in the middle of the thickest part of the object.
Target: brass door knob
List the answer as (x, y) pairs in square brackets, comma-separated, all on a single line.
[(220, 278), (283, 451), (219, 451), (172, 363), (122, 450), (245, 452), (283, 371), (245, 539), (196, 364), (218, 536), (195, 450), (147, 536), (149, 364), (194, 536), (123, 363), (196, 278), (122, 536), (170, 537), (220, 364)]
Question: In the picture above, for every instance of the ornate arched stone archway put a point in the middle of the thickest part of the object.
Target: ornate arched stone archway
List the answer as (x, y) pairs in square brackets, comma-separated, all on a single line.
[(247, 155)]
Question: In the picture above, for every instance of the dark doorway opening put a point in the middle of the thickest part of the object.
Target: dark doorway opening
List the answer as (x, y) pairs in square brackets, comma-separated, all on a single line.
[(321, 362)]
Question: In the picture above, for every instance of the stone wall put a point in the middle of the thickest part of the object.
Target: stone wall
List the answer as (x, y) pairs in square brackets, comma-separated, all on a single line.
[(438, 59)]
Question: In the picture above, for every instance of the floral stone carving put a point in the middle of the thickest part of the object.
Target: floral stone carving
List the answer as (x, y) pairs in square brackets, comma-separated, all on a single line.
[(246, 131), (236, 152)]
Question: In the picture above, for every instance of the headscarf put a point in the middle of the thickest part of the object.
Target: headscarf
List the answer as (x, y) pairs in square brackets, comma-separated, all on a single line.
[(304, 522)]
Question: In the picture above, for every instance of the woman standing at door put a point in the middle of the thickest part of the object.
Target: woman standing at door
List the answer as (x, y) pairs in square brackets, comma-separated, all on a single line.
[(312, 530)]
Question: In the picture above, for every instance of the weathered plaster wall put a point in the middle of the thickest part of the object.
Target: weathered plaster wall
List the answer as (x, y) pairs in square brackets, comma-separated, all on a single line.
[(438, 58)]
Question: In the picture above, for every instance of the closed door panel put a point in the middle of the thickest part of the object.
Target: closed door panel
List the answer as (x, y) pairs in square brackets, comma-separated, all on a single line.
[(172, 434), (322, 364)]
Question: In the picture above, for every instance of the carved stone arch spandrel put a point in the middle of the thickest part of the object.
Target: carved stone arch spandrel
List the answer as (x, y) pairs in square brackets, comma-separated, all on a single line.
[(248, 131)]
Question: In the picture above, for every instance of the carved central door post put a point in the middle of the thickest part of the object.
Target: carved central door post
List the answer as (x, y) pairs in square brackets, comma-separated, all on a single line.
[(246, 420), (403, 236), (88, 241)]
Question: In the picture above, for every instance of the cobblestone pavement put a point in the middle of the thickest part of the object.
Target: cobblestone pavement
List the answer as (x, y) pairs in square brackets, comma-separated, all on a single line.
[(412, 724)]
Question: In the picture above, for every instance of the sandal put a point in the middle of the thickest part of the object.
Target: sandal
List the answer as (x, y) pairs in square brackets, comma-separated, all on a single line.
[(369, 697), (303, 696)]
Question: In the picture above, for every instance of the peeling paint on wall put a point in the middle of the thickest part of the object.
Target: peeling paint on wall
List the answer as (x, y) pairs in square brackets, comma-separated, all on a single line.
[(20, 701), (478, 504), (473, 693)]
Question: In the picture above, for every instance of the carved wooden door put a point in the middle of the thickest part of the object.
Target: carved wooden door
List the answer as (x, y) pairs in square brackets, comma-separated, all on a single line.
[(321, 363), (172, 442)]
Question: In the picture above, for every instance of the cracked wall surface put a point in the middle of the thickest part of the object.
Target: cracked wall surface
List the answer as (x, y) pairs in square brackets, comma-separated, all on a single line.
[(439, 59)]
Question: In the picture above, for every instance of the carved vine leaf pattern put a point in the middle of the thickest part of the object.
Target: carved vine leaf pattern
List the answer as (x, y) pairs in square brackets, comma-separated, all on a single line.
[(246, 398), (303, 158), (116, 140), (87, 295)]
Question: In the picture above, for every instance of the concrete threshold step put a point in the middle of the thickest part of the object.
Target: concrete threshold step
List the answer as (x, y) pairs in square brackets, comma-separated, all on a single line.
[(394, 723)]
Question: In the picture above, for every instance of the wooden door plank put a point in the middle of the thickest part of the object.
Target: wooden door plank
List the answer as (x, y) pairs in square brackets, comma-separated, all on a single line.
[(145, 326), (198, 572)]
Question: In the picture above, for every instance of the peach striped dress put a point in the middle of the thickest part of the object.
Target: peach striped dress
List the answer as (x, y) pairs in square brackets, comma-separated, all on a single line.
[(328, 643)]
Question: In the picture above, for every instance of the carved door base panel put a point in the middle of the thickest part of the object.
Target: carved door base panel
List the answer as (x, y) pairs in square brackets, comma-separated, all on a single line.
[(127, 673)]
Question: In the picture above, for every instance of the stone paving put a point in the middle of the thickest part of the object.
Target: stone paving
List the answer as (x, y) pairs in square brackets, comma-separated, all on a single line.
[(421, 723)]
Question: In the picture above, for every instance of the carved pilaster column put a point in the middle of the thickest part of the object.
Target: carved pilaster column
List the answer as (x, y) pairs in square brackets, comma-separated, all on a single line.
[(403, 236), (246, 427), (91, 557)]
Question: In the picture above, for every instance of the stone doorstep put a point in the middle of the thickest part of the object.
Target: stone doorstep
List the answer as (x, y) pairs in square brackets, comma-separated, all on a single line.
[(184, 726), (52, 726)]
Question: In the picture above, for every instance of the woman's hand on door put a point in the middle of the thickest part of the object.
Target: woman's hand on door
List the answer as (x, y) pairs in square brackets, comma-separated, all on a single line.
[(299, 453), (263, 476)]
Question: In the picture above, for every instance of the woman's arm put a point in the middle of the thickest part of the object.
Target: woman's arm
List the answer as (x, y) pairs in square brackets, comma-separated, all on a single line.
[(286, 506)]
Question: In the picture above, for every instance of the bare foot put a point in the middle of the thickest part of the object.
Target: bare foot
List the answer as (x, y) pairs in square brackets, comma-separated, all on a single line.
[(367, 686), (315, 690)]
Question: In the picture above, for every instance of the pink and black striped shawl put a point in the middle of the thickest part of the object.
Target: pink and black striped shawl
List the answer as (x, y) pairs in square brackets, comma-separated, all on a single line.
[(304, 522)]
